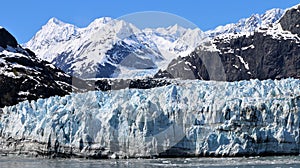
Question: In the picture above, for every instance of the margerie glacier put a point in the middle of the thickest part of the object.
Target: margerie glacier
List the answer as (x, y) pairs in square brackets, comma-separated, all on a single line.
[(189, 118), (184, 118)]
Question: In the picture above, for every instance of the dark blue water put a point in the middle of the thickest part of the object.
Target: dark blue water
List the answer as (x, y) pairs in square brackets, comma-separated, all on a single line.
[(259, 162)]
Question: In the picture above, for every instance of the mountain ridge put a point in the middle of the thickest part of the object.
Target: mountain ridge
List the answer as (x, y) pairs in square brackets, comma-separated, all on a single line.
[(249, 24), (68, 48), (117, 36)]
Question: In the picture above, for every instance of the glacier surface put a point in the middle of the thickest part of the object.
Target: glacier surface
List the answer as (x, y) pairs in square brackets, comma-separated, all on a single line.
[(189, 118)]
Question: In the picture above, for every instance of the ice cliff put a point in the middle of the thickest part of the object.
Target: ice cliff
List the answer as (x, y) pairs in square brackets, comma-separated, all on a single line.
[(189, 118)]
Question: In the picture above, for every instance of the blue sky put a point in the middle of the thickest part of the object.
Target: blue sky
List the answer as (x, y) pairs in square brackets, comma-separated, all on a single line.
[(24, 18)]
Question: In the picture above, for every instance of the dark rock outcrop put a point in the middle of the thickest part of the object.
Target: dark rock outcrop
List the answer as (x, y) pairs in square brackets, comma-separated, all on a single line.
[(291, 20), (6, 39), (117, 84)]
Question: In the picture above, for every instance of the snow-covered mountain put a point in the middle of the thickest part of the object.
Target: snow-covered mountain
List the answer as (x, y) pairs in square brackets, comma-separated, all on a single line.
[(193, 118), (111, 48), (175, 40), (115, 48), (250, 24), (56, 32), (82, 51)]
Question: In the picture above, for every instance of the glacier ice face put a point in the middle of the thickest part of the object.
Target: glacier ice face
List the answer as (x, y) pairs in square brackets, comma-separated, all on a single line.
[(189, 118)]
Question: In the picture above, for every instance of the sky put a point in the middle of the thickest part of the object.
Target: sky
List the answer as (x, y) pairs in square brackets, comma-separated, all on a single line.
[(24, 18)]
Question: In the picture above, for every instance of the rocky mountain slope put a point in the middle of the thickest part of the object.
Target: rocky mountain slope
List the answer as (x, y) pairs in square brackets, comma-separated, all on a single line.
[(23, 76), (268, 53)]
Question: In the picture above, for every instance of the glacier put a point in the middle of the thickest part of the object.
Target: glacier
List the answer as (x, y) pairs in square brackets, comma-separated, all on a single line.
[(186, 118)]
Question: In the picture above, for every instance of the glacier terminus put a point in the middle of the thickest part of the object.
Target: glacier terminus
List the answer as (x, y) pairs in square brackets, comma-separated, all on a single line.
[(189, 118)]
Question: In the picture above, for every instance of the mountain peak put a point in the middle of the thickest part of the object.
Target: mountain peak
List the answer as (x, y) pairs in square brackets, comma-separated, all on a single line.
[(176, 28), (55, 21), (53, 33), (271, 16), (274, 11), (104, 20), (100, 22)]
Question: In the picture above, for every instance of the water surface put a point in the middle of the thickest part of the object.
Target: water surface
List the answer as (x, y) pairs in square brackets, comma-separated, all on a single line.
[(252, 162)]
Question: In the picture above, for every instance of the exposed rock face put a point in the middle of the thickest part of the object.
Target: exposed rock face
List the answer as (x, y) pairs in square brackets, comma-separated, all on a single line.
[(291, 20), (117, 84), (265, 54), (260, 56), (257, 56), (6, 39), (25, 77), (193, 118)]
